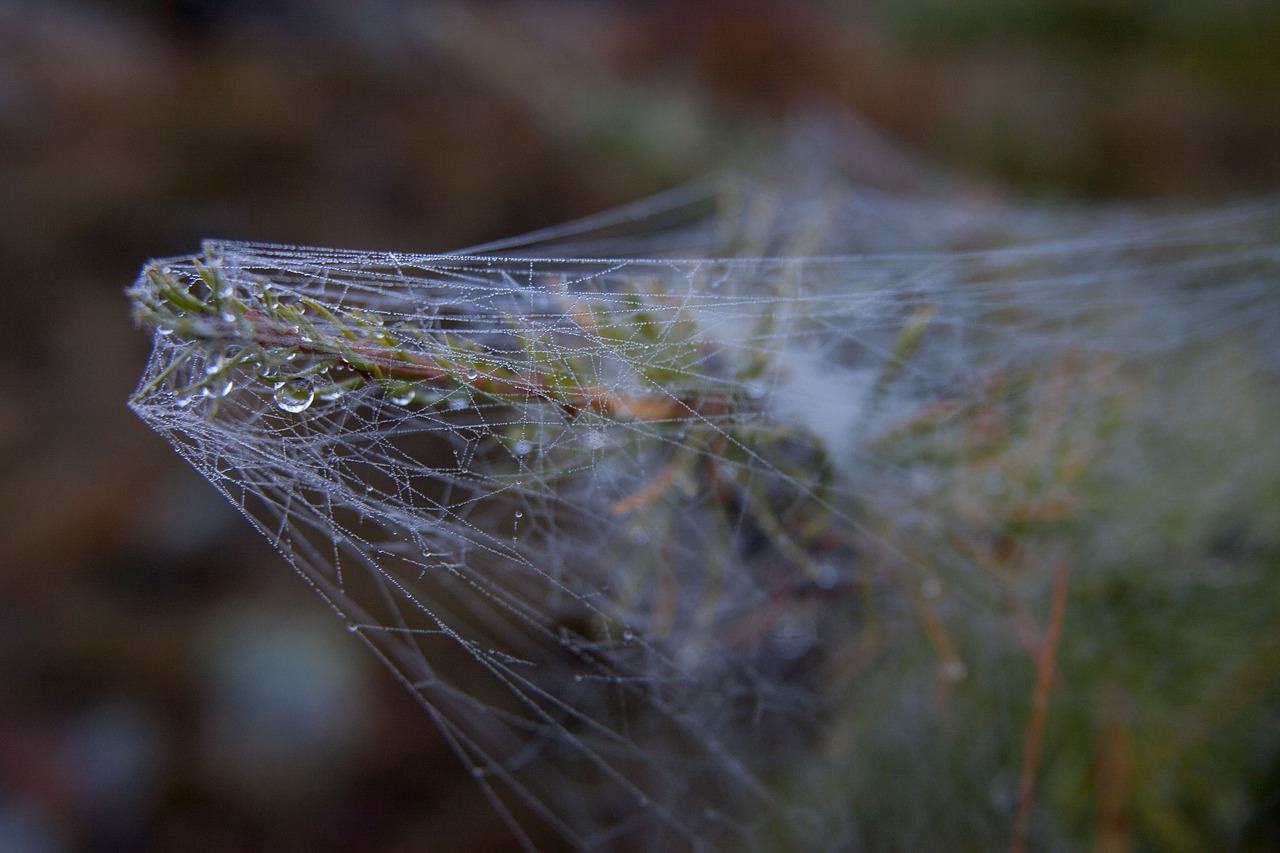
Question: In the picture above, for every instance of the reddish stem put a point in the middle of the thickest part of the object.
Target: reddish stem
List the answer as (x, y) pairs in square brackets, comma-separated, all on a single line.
[(1034, 742), (375, 362)]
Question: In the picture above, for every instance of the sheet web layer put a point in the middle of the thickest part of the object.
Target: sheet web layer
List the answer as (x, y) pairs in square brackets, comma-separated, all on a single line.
[(654, 541)]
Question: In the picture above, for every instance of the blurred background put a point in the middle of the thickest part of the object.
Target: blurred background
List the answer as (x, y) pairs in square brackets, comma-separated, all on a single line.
[(165, 682)]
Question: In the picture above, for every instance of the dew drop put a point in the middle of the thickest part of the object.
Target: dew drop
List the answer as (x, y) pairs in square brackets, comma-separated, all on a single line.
[(330, 393), (295, 395), (628, 636), (755, 390), (931, 588), (402, 395), (227, 317), (521, 447), (955, 670), (827, 576), (218, 386), (793, 638), (472, 373), (164, 331), (519, 514), (457, 402), (353, 627)]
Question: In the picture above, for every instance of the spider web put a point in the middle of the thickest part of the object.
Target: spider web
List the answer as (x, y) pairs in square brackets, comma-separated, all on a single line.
[(629, 504)]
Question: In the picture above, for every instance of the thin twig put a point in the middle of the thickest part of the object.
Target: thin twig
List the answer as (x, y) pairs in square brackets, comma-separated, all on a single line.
[(654, 489), (1039, 708), (373, 361)]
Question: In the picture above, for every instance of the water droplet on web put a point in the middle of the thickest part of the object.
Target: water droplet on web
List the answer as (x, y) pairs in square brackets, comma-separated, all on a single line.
[(472, 373), (955, 670), (521, 447), (164, 331), (227, 317), (794, 635), (756, 390), (931, 588), (519, 514), (402, 395), (330, 393), (628, 636), (295, 395), (595, 439), (457, 401), (827, 576), (352, 627), (218, 386)]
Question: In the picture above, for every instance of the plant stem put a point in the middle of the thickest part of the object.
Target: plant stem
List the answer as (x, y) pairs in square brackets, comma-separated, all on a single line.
[(1034, 742)]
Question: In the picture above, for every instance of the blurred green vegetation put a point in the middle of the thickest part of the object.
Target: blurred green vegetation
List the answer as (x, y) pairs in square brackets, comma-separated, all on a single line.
[(1229, 41)]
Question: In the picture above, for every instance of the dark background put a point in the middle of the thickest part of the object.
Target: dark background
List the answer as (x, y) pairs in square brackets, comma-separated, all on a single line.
[(165, 682)]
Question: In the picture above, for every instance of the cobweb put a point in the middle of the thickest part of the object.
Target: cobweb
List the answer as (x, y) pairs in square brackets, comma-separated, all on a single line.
[(652, 512)]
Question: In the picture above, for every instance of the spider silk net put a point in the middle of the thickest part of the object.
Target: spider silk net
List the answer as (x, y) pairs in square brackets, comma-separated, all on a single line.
[(727, 520)]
